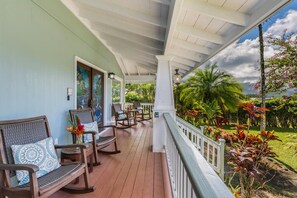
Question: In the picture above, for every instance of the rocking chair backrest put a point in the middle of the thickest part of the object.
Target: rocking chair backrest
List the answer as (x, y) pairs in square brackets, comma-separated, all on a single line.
[(117, 108), (18, 132), (85, 115), (136, 105)]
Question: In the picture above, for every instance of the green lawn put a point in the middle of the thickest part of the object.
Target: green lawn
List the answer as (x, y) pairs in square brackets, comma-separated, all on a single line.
[(286, 150)]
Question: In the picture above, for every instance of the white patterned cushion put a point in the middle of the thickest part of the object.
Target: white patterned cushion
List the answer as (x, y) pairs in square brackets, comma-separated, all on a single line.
[(139, 109), (93, 126), (41, 154), (122, 116)]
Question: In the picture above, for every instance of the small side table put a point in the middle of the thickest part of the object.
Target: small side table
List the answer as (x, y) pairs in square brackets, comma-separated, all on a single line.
[(133, 112), (74, 155)]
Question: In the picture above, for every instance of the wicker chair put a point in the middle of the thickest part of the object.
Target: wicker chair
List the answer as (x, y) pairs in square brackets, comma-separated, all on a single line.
[(124, 118), (141, 114), (31, 130), (87, 116)]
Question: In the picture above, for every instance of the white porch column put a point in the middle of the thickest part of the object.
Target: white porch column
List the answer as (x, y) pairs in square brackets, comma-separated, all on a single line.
[(164, 101)]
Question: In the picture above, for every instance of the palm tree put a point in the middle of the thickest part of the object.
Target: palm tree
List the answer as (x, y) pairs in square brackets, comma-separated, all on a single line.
[(211, 85)]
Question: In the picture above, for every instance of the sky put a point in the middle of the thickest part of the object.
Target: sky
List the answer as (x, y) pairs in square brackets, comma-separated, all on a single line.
[(242, 57)]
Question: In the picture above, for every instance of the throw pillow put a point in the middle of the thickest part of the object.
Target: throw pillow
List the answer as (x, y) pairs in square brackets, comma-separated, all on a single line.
[(139, 109), (93, 126), (41, 154), (122, 116)]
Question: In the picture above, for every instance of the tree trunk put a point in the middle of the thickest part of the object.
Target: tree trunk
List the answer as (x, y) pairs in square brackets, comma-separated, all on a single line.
[(262, 68)]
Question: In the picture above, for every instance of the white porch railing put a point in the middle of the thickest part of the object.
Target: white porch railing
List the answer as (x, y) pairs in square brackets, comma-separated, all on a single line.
[(212, 151), (190, 174), (146, 106)]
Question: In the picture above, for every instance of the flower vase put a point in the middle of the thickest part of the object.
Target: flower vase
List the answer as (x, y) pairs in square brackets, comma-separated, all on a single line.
[(79, 139)]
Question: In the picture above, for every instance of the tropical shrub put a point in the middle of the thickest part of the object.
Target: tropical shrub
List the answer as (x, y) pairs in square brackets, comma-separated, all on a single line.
[(248, 150)]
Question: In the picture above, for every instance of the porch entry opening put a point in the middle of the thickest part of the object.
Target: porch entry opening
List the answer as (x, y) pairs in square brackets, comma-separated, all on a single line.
[(90, 90)]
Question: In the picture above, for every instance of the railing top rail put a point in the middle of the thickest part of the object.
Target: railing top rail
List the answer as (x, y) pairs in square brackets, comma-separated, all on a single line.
[(204, 180), (189, 125), (194, 128)]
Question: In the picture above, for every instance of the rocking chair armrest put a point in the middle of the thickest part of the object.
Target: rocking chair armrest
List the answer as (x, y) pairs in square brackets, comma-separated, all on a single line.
[(105, 126), (31, 168), (111, 126), (90, 132), (81, 146)]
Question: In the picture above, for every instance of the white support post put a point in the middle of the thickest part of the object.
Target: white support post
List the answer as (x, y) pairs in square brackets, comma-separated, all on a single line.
[(221, 158), (164, 102)]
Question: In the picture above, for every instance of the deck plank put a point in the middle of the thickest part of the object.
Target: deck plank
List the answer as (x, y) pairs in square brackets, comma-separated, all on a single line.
[(140, 176), (148, 191), (131, 163), (135, 172)]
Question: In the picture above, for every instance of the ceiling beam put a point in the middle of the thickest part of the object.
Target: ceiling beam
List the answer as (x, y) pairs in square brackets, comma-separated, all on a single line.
[(131, 43), (185, 54), (109, 32), (183, 61), (148, 68), (192, 46), (135, 53), (134, 48), (217, 12), (124, 65), (118, 43), (118, 58), (112, 7), (174, 10), (102, 20), (181, 66), (137, 58), (140, 78), (207, 36)]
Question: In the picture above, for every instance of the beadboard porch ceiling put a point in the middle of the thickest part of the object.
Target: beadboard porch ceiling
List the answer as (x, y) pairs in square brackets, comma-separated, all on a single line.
[(192, 31)]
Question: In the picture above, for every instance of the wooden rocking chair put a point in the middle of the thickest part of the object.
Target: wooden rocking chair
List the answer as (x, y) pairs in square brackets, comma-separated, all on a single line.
[(122, 117), (87, 116), (27, 131), (141, 114)]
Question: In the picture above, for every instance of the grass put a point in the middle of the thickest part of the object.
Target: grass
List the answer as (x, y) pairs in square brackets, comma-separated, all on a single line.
[(286, 149)]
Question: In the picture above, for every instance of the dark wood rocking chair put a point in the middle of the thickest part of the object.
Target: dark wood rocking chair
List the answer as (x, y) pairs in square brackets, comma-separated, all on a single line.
[(141, 114), (87, 116), (31, 130), (124, 118)]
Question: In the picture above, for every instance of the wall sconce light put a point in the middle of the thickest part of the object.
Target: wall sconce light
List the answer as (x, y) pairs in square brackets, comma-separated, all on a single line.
[(111, 75), (69, 93), (176, 77)]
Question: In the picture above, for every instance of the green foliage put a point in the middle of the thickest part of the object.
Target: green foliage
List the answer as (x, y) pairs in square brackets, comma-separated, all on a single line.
[(211, 110), (140, 92), (211, 85), (116, 91), (132, 96), (283, 113)]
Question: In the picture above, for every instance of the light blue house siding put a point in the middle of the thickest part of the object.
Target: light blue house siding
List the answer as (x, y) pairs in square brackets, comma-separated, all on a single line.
[(38, 43)]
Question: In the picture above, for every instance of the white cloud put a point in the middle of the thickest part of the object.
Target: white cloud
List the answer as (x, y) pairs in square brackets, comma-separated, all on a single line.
[(242, 59), (287, 24)]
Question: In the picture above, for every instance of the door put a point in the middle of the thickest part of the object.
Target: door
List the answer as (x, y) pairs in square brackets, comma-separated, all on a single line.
[(90, 90)]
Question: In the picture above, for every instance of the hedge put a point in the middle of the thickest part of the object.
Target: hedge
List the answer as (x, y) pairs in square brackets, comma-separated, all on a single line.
[(283, 113)]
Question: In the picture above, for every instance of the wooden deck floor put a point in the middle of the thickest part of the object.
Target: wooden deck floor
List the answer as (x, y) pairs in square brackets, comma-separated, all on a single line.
[(135, 172)]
